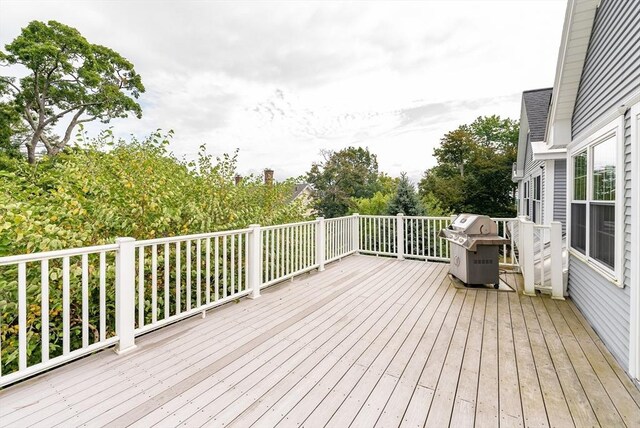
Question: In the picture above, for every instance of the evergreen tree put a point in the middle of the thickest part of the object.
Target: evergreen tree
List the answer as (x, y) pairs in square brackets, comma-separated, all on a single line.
[(405, 200)]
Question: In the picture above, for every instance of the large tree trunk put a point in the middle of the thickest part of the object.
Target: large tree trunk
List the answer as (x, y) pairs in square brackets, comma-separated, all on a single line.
[(31, 147)]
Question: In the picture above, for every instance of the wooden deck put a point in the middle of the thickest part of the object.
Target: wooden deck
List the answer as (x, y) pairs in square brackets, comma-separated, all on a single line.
[(369, 342)]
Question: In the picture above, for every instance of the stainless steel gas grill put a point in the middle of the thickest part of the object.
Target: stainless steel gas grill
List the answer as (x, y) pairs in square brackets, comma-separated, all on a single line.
[(474, 249)]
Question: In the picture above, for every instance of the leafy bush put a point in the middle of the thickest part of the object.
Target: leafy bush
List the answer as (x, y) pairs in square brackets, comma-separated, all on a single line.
[(107, 189)]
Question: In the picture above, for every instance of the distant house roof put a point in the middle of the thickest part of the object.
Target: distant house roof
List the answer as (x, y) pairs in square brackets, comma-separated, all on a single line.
[(299, 189), (537, 103)]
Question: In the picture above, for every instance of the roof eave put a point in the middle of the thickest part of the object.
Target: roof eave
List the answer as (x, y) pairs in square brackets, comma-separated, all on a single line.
[(576, 32)]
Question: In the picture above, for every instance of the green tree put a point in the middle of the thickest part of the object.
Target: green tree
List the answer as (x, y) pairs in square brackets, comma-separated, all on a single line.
[(375, 205), (345, 174), (473, 173), (405, 200), (11, 130), (68, 77)]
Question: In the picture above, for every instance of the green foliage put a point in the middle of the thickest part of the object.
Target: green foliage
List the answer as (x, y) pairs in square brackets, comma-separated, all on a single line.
[(67, 76), (375, 205), (405, 200), (110, 188), (346, 174), (10, 128), (473, 173)]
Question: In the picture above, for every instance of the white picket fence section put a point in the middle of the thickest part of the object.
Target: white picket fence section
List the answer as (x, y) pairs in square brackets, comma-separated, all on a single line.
[(112, 293)]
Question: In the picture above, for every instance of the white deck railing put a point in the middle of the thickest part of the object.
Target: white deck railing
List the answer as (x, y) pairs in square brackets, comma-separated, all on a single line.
[(541, 256), (110, 294)]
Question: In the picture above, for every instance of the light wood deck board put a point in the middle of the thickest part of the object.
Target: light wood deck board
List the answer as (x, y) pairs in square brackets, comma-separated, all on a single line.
[(177, 336), (371, 341)]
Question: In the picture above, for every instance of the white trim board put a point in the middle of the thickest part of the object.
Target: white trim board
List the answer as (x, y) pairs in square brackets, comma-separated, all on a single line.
[(541, 151), (634, 327)]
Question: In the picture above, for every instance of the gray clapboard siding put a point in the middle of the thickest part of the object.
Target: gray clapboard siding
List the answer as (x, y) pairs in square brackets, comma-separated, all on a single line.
[(604, 305), (611, 73), (560, 192), (612, 66)]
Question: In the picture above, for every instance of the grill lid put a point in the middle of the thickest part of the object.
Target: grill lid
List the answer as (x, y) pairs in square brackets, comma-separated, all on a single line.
[(471, 230), (474, 224)]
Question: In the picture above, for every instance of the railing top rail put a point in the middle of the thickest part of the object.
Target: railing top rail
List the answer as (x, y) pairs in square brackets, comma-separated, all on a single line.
[(337, 218), (504, 218), (376, 216), (428, 217), (183, 238), (45, 255), (279, 226), (541, 226)]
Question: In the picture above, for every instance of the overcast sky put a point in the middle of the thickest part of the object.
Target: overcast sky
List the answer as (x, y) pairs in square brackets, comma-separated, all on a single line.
[(283, 80)]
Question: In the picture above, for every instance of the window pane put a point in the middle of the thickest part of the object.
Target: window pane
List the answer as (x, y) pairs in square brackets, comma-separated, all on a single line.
[(602, 237), (579, 227), (604, 171), (580, 176)]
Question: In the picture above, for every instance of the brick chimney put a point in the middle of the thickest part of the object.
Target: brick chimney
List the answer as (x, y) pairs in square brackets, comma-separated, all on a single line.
[(268, 176), (238, 179)]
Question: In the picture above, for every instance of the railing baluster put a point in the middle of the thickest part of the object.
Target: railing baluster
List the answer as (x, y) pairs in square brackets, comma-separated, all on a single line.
[(167, 275), (207, 262), (246, 258), (217, 268), (141, 286), (188, 276), (224, 266), (66, 307), (85, 300), (267, 256), (278, 232), (239, 263), (178, 275), (198, 272), (22, 316), (44, 280), (154, 283)]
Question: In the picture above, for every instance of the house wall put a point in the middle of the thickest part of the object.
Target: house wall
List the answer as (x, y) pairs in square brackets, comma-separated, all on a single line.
[(610, 76), (531, 169), (612, 68), (560, 192), (604, 305)]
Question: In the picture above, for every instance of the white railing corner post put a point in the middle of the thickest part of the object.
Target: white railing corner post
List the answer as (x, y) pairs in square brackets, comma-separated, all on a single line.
[(526, 256), (400, 236), (557, 286), (254, 261), (355, 236), (125, 294), (320, 243)]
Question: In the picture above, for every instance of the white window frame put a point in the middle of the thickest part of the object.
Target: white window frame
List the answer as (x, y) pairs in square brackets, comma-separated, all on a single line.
[(526, 194), (534, 201), (613, 129)]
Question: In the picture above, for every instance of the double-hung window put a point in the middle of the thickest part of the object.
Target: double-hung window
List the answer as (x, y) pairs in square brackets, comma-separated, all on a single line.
[(593, 202), (537, 199)]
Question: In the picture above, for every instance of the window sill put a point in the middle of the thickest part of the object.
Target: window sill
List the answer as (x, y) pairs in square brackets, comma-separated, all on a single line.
[(606, 273)]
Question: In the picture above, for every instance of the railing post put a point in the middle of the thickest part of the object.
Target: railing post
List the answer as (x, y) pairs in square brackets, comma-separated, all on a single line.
[(254, 261), (355, 237), (526, 256), (400, 236), (557, 287), (125, 294), (320, 243)]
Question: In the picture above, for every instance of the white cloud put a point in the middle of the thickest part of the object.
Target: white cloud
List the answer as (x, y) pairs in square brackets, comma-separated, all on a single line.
[(282, 80)]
